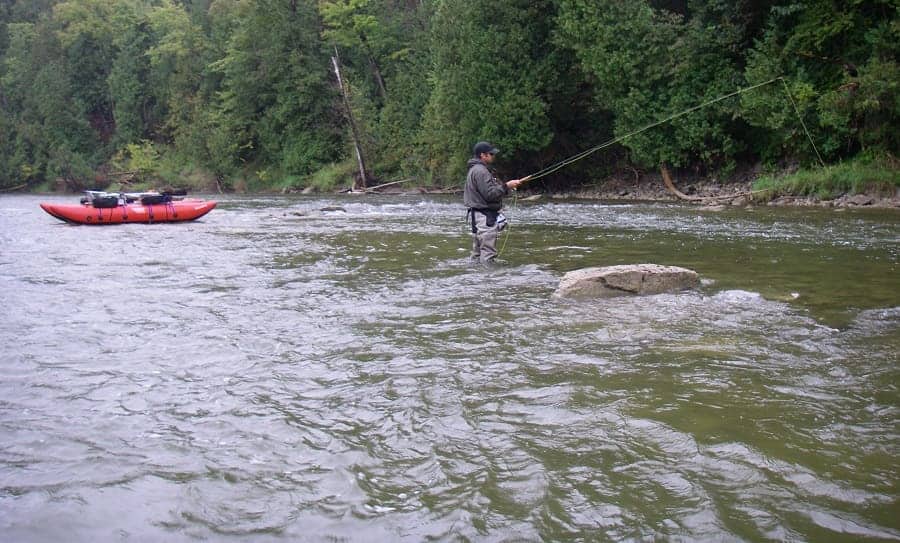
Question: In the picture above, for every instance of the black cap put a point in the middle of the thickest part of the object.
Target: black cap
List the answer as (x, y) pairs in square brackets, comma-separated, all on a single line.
[(484, 147)]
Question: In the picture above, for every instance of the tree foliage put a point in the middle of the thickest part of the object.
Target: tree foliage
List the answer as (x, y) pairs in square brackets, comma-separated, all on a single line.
[(652, 62), (490, 67), (244, 89), (841, 62)]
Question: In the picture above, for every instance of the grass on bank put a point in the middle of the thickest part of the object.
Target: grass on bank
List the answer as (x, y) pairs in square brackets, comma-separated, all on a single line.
[(329, 178), (880, 175)]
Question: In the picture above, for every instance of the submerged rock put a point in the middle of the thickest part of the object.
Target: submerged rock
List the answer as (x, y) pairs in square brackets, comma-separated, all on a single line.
[(634, 279)]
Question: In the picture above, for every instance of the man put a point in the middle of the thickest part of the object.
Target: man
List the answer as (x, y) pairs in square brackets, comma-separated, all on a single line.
[(483, 196)]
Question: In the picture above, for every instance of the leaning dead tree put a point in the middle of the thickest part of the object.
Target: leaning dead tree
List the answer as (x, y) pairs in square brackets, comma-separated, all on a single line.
[(360, 183)]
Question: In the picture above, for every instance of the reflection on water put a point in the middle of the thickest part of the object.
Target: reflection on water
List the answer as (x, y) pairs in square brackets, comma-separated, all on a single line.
[(333, 369)]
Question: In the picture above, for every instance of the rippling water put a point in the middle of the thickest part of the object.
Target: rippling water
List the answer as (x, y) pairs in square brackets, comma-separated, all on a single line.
[(332, 369)]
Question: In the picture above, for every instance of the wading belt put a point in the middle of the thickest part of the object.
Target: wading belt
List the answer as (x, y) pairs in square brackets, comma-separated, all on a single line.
[(490, 216)]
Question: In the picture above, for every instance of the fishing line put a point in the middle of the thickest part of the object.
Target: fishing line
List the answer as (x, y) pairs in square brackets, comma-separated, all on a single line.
[(802, 123), (508, 224), (575, 158)]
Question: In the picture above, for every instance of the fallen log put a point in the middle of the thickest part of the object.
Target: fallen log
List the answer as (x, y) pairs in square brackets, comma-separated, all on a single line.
[(376, 187)]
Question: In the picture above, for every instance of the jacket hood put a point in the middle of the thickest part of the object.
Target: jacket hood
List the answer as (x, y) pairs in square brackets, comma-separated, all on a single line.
[(474, 162)]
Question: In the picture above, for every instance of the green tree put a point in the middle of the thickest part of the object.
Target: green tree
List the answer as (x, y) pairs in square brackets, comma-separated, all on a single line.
[(88, 31), (50, 134), (354, 24), (141, 158), (385, 59), (841, 62), (651, 62), (129, 86), (181, 88), (490, 65), (276, 101)]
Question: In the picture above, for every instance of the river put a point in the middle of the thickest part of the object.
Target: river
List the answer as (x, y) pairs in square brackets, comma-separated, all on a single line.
[(333, 369)]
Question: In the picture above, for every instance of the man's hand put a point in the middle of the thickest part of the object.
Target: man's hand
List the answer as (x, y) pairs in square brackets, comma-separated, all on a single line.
[(513, 183)]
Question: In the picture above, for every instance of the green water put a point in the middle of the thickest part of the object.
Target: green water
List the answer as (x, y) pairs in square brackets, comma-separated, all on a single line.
[(334, 369)]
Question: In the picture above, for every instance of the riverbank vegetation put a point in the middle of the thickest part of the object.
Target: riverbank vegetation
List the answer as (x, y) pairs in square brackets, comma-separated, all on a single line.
[(864, 174), (242, 95)]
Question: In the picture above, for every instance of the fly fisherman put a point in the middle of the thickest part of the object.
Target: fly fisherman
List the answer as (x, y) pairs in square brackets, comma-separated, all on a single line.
[(483, 196)]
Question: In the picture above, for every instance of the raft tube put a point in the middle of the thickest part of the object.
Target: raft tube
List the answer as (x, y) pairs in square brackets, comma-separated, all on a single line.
[(175, 211)]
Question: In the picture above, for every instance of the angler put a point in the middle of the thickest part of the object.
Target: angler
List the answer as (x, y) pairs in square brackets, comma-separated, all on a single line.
[(483, 196)]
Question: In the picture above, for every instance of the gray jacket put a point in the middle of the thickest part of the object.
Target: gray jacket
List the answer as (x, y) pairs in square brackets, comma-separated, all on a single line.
[(483, 190)]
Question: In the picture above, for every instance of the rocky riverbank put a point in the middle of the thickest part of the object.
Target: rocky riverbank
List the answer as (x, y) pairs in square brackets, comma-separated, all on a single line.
[(709, 193)]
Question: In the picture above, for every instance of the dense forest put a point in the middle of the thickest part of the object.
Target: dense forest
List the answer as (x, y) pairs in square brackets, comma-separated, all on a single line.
[(243, 94)]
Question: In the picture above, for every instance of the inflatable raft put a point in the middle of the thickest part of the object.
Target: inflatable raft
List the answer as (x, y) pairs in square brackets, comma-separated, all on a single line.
[(106, 208)]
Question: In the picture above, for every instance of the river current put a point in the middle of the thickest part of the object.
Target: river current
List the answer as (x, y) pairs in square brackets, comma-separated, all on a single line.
[(334, 369)]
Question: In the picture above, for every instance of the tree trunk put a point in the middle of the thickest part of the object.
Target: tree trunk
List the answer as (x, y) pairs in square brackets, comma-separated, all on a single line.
[(376, 69), (670, 186), (360, 183), (378, 77)]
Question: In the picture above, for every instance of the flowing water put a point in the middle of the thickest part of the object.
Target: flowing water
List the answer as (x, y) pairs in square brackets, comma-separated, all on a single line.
[(333, 369)]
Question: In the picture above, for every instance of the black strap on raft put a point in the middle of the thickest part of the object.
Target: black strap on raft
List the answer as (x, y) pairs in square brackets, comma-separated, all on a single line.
[(105, 202), (151, 199)]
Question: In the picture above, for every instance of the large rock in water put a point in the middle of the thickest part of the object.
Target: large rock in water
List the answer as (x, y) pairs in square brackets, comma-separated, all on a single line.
[(624, 280)]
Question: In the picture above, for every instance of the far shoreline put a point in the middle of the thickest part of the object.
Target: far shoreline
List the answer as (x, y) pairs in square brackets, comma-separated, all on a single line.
[(698, 191)]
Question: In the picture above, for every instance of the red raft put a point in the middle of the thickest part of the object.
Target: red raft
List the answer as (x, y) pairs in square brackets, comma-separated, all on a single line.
[(121, 208)]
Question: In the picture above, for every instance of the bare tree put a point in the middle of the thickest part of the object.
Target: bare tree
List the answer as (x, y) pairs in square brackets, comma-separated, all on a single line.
[(360, 183)]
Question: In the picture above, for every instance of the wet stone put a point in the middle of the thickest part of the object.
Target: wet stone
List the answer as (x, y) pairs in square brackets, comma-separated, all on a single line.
[(624, 280)]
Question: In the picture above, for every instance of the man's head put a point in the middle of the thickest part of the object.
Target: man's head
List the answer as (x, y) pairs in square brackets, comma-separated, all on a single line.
[(485, 152)]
